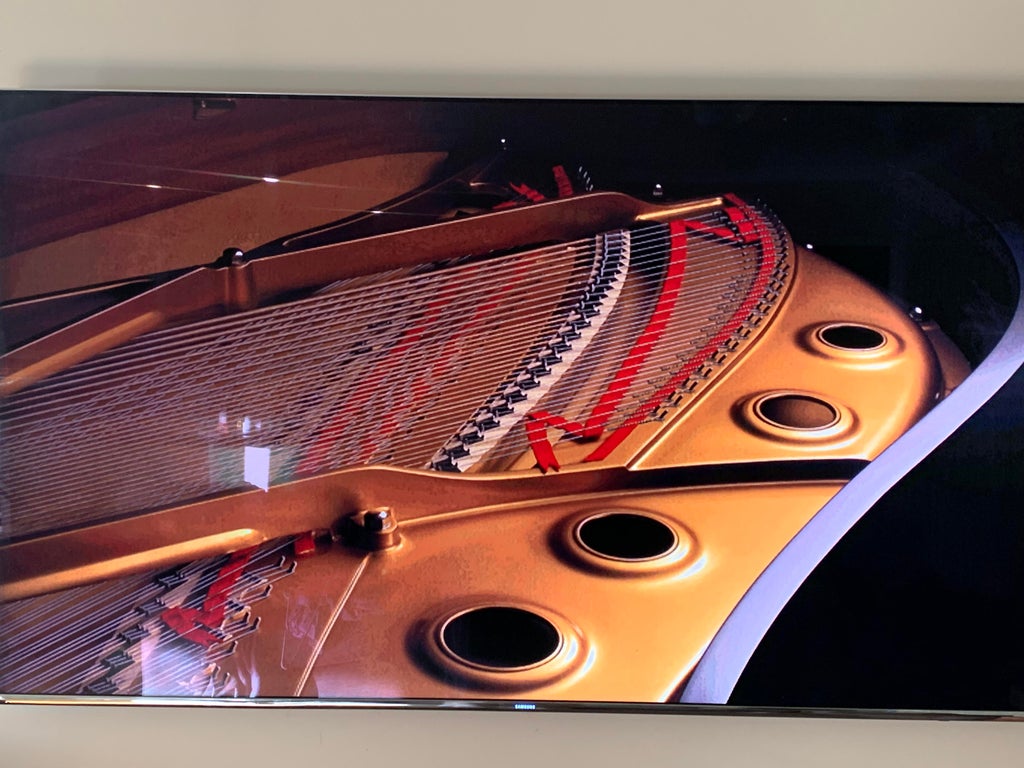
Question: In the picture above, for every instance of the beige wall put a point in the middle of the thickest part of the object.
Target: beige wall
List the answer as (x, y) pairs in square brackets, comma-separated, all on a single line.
[(912, 49)]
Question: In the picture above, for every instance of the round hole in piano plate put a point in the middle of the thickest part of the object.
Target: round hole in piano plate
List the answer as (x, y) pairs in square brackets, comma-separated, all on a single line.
[(851, 337), (500, 638), (626, 536), (626, 542), (796, 411)]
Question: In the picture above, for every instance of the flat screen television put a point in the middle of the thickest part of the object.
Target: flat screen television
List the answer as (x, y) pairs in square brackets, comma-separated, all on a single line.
[(666, 406)]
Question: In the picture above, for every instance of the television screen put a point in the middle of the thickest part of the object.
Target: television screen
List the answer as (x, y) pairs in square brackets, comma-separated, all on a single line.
[(511, 403)]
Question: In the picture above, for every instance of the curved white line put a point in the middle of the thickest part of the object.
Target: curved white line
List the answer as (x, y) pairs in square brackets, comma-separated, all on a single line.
[(716, 674)]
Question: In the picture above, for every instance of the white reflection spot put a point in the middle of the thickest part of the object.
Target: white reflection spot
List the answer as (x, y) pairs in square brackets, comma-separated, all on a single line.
[(257, 467), (697, 567), (271, 179)]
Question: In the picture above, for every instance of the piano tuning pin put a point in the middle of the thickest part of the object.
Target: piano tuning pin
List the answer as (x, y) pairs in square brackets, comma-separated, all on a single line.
[(458, 451), (150, 607), (101, 687), (487, 421), (117, 661), (658, 191), (444, 464), (501, 408), (171, 579), (584, 179), (133, 634)]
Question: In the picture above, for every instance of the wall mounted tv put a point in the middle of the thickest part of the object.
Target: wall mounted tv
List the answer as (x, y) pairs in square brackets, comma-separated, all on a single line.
[(514, 404)]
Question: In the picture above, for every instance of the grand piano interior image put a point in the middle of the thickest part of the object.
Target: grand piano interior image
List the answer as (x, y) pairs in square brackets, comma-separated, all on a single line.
[(512, 403)]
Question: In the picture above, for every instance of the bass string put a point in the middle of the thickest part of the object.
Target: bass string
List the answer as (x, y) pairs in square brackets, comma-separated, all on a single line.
[(69, 653), (450, 278), (58, 655), (409, 447), (160, 672), (55, 642), (289, 352), (122, 360), (701, 312), (111, 363), (87, 602), (410, 284), (219, 325), (79, 416), (85, 598), (115, 607), (497, 346), (45, 621)]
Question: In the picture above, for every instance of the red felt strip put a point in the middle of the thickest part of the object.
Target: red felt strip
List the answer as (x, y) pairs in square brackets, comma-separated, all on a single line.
[(528, 192), (537, 424), (197, 624), (648, 338), (562, 181), (765, 268), (305, 545)]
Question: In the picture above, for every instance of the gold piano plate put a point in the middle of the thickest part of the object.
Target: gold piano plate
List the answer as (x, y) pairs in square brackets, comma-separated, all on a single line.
[(522, 453)]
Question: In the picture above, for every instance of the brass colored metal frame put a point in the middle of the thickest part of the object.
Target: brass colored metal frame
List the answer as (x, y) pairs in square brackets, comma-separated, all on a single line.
[(734, 486)]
